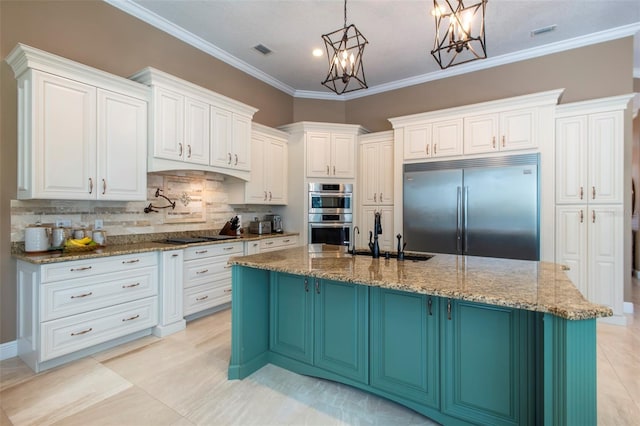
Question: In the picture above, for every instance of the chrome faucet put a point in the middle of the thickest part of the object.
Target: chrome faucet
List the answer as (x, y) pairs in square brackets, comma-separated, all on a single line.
[(377, 230), (353, 246)]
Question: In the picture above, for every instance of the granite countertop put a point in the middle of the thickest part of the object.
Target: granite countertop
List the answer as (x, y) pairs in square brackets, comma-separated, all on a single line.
[(130, 244), (522, 284)]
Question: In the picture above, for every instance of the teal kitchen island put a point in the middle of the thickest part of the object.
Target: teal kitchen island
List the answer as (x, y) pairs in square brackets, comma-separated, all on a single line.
[(459, 339)]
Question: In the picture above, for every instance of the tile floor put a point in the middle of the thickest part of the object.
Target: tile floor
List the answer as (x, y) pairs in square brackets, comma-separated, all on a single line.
[(181, 380)]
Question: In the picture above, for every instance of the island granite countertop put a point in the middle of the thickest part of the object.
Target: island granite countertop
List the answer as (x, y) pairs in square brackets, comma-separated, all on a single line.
[(523, 284)]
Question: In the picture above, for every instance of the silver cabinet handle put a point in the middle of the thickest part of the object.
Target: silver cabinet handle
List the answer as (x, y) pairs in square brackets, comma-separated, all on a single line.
[(503, 141), (306, 285), (427, 149), (236, 163), (202, 298), (188, 151), (124, 262), (593, 216), (229, 162), (581, 216), (84, 268), (131, 285), (327, 170), (435, 148), (227, 248), (317, 286), (429, 304), (581, 192), (201, 251), (131, 318), (593, 192), (268, 243), (82, 332), (174, 255), (285, 241), (374, 197), (381, 197), (82, 295), (449, 309), (104, 186), (204, 271), (90, 185), (493, 142), (180, 148), (270, 196), (265, 196), (227, 290), (334, 170)]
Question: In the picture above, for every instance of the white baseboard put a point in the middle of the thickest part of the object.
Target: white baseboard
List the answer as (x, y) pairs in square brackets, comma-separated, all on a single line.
[(627, 307), (8, 350)]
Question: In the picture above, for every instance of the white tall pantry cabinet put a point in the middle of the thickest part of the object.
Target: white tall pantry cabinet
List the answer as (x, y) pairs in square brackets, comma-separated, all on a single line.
[(591, 189)]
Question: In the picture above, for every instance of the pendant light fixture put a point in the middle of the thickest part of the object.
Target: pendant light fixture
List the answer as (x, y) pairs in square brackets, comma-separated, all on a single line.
[(344, 52), (459, 31)]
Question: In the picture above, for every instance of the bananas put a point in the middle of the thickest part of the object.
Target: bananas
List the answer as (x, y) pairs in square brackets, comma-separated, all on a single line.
[(83, 242)]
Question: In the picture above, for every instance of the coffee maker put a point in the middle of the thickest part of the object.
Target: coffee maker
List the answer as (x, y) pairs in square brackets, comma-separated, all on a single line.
[(276, 222)]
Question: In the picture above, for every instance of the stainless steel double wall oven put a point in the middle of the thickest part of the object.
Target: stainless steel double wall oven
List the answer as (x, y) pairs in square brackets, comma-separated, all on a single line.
[(330, 213)]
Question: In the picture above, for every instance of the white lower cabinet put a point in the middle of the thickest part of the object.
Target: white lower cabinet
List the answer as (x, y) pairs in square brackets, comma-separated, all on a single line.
[(588, 243), (207, 277), (70, 309), (271, 244), (170, 316)]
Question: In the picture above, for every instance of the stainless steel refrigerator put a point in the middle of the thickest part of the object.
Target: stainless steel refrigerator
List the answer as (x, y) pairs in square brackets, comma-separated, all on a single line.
[(478, 207)]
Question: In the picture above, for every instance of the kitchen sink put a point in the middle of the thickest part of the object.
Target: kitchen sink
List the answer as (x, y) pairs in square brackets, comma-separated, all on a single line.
[(414, 257)]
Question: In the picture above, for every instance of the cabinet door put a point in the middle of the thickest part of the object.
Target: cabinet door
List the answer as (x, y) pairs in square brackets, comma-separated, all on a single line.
[(197, 128), (385, 173), (255, 189), (318, 154), (65, 139), (606, 142), (168, 125), (291, 332), (369, 173), (571, 159), (405, 345), (480, 133), (343, 156), (386, 240), (241, 142), (447, 138), (518, 129), (171, 270), (571, 243), (341, 329), (605, 256), (485, 369), (417, 142), (221, 134), (122, 147), (276, 175)]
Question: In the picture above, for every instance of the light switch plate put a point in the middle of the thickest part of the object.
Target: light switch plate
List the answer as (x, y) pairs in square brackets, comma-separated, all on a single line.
[(98, 224)]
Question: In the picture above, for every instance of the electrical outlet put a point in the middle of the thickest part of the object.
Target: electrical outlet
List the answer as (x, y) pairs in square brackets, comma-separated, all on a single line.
[(63, 223), (98, 224)]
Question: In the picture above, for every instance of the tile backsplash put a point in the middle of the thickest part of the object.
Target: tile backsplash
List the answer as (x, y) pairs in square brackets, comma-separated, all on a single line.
[(124, 218)]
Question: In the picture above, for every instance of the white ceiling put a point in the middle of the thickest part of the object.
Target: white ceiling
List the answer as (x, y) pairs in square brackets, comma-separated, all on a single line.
[(400, 35)]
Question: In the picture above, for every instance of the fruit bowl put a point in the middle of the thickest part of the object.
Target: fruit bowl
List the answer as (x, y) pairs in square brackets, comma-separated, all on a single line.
[(80, 249), (80, 245)]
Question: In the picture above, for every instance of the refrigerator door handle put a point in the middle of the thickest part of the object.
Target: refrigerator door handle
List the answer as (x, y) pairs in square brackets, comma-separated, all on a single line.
[(459, 221), (465, 206)]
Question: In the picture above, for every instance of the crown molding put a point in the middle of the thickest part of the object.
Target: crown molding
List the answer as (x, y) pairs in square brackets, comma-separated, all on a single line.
[(159, 22)]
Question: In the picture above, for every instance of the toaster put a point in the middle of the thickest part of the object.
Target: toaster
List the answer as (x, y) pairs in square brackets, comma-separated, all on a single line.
[(260, 227)]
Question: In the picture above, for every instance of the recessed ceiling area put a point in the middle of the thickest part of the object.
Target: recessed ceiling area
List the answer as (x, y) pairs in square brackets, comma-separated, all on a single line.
[(400, 35)]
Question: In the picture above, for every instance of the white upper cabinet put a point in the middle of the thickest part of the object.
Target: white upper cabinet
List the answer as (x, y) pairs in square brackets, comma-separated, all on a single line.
[(505, 131), (269, 168), (195, 128), (433, 139), (484, 128), (330, 154), (589, 158), (376, 169), (81, 132)]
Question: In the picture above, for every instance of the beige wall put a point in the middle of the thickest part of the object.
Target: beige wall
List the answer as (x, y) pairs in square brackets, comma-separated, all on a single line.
[(96, 34)]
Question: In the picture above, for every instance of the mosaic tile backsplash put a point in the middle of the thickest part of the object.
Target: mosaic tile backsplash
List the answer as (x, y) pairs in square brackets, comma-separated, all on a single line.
[(125, 218)]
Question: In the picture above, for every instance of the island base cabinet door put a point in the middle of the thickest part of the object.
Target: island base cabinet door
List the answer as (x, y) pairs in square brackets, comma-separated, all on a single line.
[(341, 331), (405, 345), (291, 331), (485, 368)]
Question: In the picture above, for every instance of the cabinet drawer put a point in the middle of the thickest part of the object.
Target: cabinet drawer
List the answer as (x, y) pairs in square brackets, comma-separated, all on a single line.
[(64, 298), (278, 243), (206, 296), (202, 271), (70, 334), (200, 252), (97, 266)]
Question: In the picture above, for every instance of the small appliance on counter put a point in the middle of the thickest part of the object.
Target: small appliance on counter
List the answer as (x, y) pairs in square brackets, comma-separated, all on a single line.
[(276, 223), (259, 226), (37, 238)]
